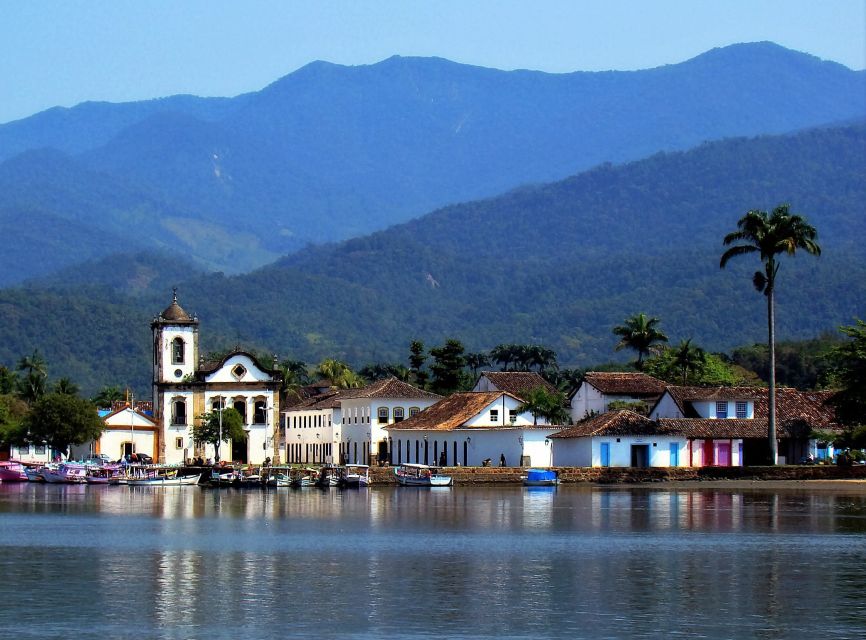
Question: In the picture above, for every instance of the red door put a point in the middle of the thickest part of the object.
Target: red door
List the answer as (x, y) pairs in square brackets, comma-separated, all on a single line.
[(708, 453)]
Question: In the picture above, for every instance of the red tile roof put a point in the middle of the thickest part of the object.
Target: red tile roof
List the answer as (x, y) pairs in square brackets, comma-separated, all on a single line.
[(451, 412), (612, 423), (518, 382), (621, 383), (731, 428), (390, 388)]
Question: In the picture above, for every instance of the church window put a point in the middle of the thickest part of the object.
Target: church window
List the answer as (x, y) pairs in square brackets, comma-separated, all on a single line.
[(238, 371), (177, 348), (178, 412), (260, 412)]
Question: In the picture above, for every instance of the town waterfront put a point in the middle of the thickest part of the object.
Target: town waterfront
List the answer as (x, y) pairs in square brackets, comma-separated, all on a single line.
[(473, 562)]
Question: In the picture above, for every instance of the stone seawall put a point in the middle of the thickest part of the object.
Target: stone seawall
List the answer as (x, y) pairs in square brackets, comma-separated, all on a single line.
[(619, 475)]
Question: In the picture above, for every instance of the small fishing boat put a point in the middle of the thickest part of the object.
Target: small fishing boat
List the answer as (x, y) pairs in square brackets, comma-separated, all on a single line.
[(164, 480), (329, 476), (353, 476), (278, 479), (108, 474), (540, 478), (64, 473), (223, 476), (34, 473), (421, 475), (12, 471), (303, 477), (248, 479)]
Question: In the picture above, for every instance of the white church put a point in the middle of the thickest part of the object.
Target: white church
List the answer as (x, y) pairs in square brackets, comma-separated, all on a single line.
[(185, 387)]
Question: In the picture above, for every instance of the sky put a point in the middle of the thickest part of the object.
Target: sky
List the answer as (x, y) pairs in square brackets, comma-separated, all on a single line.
[(61, 53)]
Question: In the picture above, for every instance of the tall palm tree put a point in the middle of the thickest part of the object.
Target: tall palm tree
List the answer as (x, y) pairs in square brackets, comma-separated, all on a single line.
[(688, 358), (65, 386), (475, 361), (770, 235), (640, 334), (503, 354)]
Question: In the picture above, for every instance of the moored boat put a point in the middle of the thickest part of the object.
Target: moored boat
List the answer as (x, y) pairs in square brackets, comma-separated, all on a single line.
[(223, 476), (353, 476), (329, 476), (303, 477), (421, 475), (278, 479), (540, 478), (12, 471), (164, 480), (64, 472), (108, 474)]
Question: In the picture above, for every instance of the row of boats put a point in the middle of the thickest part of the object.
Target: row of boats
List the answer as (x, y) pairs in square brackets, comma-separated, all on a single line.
[(329, 475)]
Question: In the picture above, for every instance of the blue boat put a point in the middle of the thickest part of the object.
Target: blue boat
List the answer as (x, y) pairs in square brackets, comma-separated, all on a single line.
[(540, 478)]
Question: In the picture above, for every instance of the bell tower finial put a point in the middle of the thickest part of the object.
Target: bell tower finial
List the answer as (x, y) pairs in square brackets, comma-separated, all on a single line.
[(174, 292)]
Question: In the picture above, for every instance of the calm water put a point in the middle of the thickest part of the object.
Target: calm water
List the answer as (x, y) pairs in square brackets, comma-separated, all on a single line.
[(573, 562)]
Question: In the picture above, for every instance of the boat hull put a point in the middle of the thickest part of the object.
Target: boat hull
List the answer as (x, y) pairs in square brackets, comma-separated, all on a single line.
[(180, 481)]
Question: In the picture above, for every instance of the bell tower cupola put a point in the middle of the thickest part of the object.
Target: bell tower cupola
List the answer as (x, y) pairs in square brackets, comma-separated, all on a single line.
[(175, 344)]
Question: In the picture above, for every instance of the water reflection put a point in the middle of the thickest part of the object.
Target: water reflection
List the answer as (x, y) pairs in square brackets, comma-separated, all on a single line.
[(463, 562)]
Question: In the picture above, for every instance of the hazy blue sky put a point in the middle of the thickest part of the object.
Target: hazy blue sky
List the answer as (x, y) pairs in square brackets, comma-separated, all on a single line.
[(65, 52)]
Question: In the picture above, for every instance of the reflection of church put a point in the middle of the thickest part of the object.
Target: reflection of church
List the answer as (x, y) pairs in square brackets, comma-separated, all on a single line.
[(185, 387)]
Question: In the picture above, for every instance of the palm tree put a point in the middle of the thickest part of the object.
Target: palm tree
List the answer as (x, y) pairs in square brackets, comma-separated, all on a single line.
[(65, 386), (503, 354), (33, 364), (770, 235), (640, 334), (688, 358), (339, 373), (107, 396), (475, 361)]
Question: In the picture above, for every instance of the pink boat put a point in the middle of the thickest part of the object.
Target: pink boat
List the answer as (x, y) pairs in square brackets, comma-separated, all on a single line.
[(12, 471)]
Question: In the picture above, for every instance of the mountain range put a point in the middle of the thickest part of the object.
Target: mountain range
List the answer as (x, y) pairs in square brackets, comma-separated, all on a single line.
[(331, 152)]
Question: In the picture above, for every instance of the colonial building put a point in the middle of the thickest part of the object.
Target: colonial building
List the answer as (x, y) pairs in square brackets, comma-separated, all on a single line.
[(349, 425), (128, 429), (468, 429), (600, 388), (186, 387)]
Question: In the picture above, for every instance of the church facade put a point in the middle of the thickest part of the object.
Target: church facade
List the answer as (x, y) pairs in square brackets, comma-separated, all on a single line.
[(185, 387)]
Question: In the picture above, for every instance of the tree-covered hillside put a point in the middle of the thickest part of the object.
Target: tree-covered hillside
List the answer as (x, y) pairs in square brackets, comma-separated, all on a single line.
[(558, 264), (332, 152)]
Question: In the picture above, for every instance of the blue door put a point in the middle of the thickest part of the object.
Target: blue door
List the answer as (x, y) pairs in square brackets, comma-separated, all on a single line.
[(605, 454), (675, 454)]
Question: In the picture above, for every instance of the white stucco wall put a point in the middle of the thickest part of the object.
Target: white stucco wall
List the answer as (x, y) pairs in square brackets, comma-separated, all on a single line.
[(666, 408), (175, 372), (252, 372), (480, 444)]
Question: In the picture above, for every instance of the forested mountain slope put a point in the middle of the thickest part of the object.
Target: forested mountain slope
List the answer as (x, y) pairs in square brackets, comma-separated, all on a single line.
[(557, 264)]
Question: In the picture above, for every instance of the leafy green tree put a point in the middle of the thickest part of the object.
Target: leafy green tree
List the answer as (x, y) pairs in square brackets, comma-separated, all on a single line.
[(640, 334), (31, 387), (850, 360), (688, 358), (295, 375), (107, 396), (61, 420), (545, 404), (33, 363), (447, 367), (417, 358), (229, 423), (12, 412), (770, 235), (66, 387)]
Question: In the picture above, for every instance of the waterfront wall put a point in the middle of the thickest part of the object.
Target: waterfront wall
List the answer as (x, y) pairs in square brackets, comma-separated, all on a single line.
[(618, 475)]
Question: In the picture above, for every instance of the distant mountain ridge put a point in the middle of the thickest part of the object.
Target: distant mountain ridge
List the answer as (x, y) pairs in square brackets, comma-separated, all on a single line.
[(558, 264), (332, 152)]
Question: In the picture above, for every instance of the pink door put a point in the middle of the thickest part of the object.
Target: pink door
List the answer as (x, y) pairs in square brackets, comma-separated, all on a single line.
[(724, 454)]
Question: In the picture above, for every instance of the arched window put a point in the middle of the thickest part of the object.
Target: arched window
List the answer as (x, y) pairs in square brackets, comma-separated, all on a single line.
[(414, 411), (177, 351), (240, 406), (383, 415), (178, 412), (260, 414), (216, 404), (398, 414)]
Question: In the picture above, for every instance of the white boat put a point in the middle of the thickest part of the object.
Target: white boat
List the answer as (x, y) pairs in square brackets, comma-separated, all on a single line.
[(420, 475), (353, 476), (64, 473), (540, 478), (164, 481), (278, 479)]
